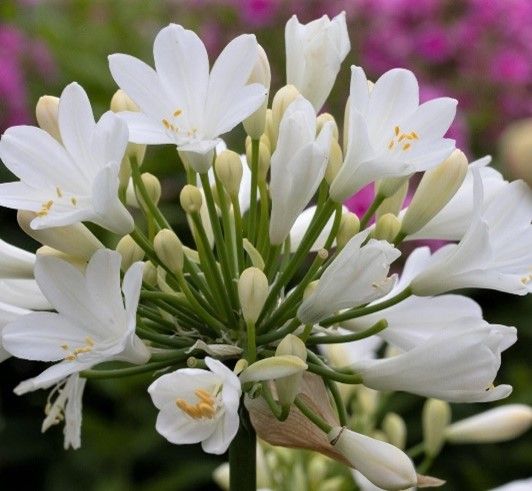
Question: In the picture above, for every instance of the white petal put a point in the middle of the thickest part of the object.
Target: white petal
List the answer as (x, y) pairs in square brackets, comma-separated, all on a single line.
[(143, 129), (179, 428), (108, 142), (131, 288), (15, 262), (226, 429), (433, 118), (24, 294)]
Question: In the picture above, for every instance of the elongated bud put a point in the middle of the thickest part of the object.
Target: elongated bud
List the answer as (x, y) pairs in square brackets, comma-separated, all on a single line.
[(322, 119), (288, 387), (252, 292), (74, 240), (200, 162), (269, 131), (130, 251), (335, 161), (153, 188), (515, 147), (495, 425), (282, 99), (46, 112), (149, 273), (387, 227), (273, 368), (395, 430), (383, 464), (349, 227), (435, 189), (228, 168), (78, 262), (256, 123), (169, 250), (190, 199), (389, 186), (265, 156), (435, 419), (394, 203)]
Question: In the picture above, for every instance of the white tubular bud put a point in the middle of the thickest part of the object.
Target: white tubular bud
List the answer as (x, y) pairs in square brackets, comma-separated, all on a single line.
[(389, 186), (515, 146), (46, 113), (282, 99), (349, 227), (200, 162), (252, 292), (190, 199), (169, 250), (130, 251), (322, 119), (387, 227), (436, 188), (273, 368), (228, 168), (153, 188), (256, 123), (288, 387), (394, 203), (495, 425), (383, 464), (395, 428), (435, 419), (79, 263), (149, 274), (336, 160), (74, 240), (269, 131)]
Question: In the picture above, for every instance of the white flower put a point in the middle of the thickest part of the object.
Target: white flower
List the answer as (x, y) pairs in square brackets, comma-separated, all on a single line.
[(25, 294), (198, 405), (389, 133), (314, 53), (495, 425), (357, 276), (521, 485), (181, 103), (456, 366), (8, 313), (92, 323), (15, 262), (70, 182), (297, 166), (383, 464), (495, 252)]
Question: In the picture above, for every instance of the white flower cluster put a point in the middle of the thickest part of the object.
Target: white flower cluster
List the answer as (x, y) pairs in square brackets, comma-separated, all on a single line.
[(156, 304)]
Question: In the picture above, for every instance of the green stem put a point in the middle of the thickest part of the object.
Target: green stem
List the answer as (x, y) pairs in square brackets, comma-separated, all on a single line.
[(371, 211), (126, 372), (416, 450), (242, 456), (252, 216), (347, 338), (316, 419), (280, 333), (251, 354), (239, 234)]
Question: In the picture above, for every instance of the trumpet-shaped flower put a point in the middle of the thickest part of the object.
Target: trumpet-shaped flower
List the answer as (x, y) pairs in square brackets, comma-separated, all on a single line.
[(70, 182), (314, 53), (389, 133), (92, 323), (459, 366), (198, 405), (297, 167), (180, 102), (15, 262), (357, 276)]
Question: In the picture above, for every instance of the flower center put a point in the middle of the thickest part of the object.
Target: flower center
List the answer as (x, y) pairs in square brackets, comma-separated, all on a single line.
[(204, 408), (73, 355), (402, 139), (174, 128)]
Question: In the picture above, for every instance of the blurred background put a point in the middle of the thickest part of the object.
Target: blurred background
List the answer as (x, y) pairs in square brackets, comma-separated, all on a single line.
[(478, 51)]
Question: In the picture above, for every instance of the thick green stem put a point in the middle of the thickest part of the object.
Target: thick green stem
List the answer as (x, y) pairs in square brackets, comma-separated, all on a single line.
[(371, 211), (242, 456)]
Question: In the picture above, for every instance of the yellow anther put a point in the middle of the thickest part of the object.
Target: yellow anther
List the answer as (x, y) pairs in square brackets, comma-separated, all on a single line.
[(406, 146), (402, 137), (166, 124), (205, 408), (391, 144), (397, 130), (204, 396), (64, 346), (74, 201), (59, 192), (414, 135), (177, 112)]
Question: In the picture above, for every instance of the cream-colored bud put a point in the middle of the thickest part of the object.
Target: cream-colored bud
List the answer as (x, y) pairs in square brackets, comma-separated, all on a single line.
[(310, 289), (200, 162), (269, 131), (273, 368), (252, 292), (74, 240), (394, 203), (435, 419), (292, 345), (288, 387), (153, 188), (169, 250), (515, 147), (389, 186), (387, 227), (282, 99), (494, 425), (46, 111), (256, 123), (228, 168), (149, 273), (349, 227), (368, 400), (336, 160), (436, 188), (130, 251), (221, 476), (395, 428), (190, 199), (324, 118), (164, 286), (379, 435), (78, 262)]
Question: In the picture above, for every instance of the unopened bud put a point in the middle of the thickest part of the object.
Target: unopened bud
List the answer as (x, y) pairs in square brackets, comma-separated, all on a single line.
[(292, 345), (273, 368), (288, 387), (269, 131), (395, 429), (153, 188), (252, 292), (435, 419), (190, 199), (394, 203), (200, 162), (256, 123), (149, 273), (130, 251), (387, 227), (349, 227), (436, 188), (389, 186), (228, 167), (169, 250), (336, 160), (282, 99), (515, 147), (46, 111), (78, 262), (324, 118)]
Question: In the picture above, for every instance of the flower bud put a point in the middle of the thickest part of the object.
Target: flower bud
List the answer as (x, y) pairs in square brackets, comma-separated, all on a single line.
[(495, 425), (394, 203), (288, 387), (282, 99), (200, 162), (228, 168), (153, 188), (395, 429), (221, 476), (265, 156), (149, 274), (322, 119), (190, 199), (169, 250), (436, 188), (383, 464), (389, 186), (292, 345), (515, 146), (273, 368), (130, 251), (74, 240), (78, 262), (46, 111), (269, 132), (349, 227), (435, 419), (252, 292), (336, 159), (256, 123), (387, 227)]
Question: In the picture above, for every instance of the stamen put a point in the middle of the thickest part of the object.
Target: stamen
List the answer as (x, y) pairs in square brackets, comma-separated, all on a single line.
[(397, 130), (74, 201), (391, 144), (177, 112), (205, 408), (59, 192), (45, 209), (73, 355), (406, 146)]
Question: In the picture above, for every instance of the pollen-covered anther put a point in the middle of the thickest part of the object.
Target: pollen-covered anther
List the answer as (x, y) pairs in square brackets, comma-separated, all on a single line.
[(526, 279), (45, 208), (205, 408), (73, 355), (402, 137), (58, 192)]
